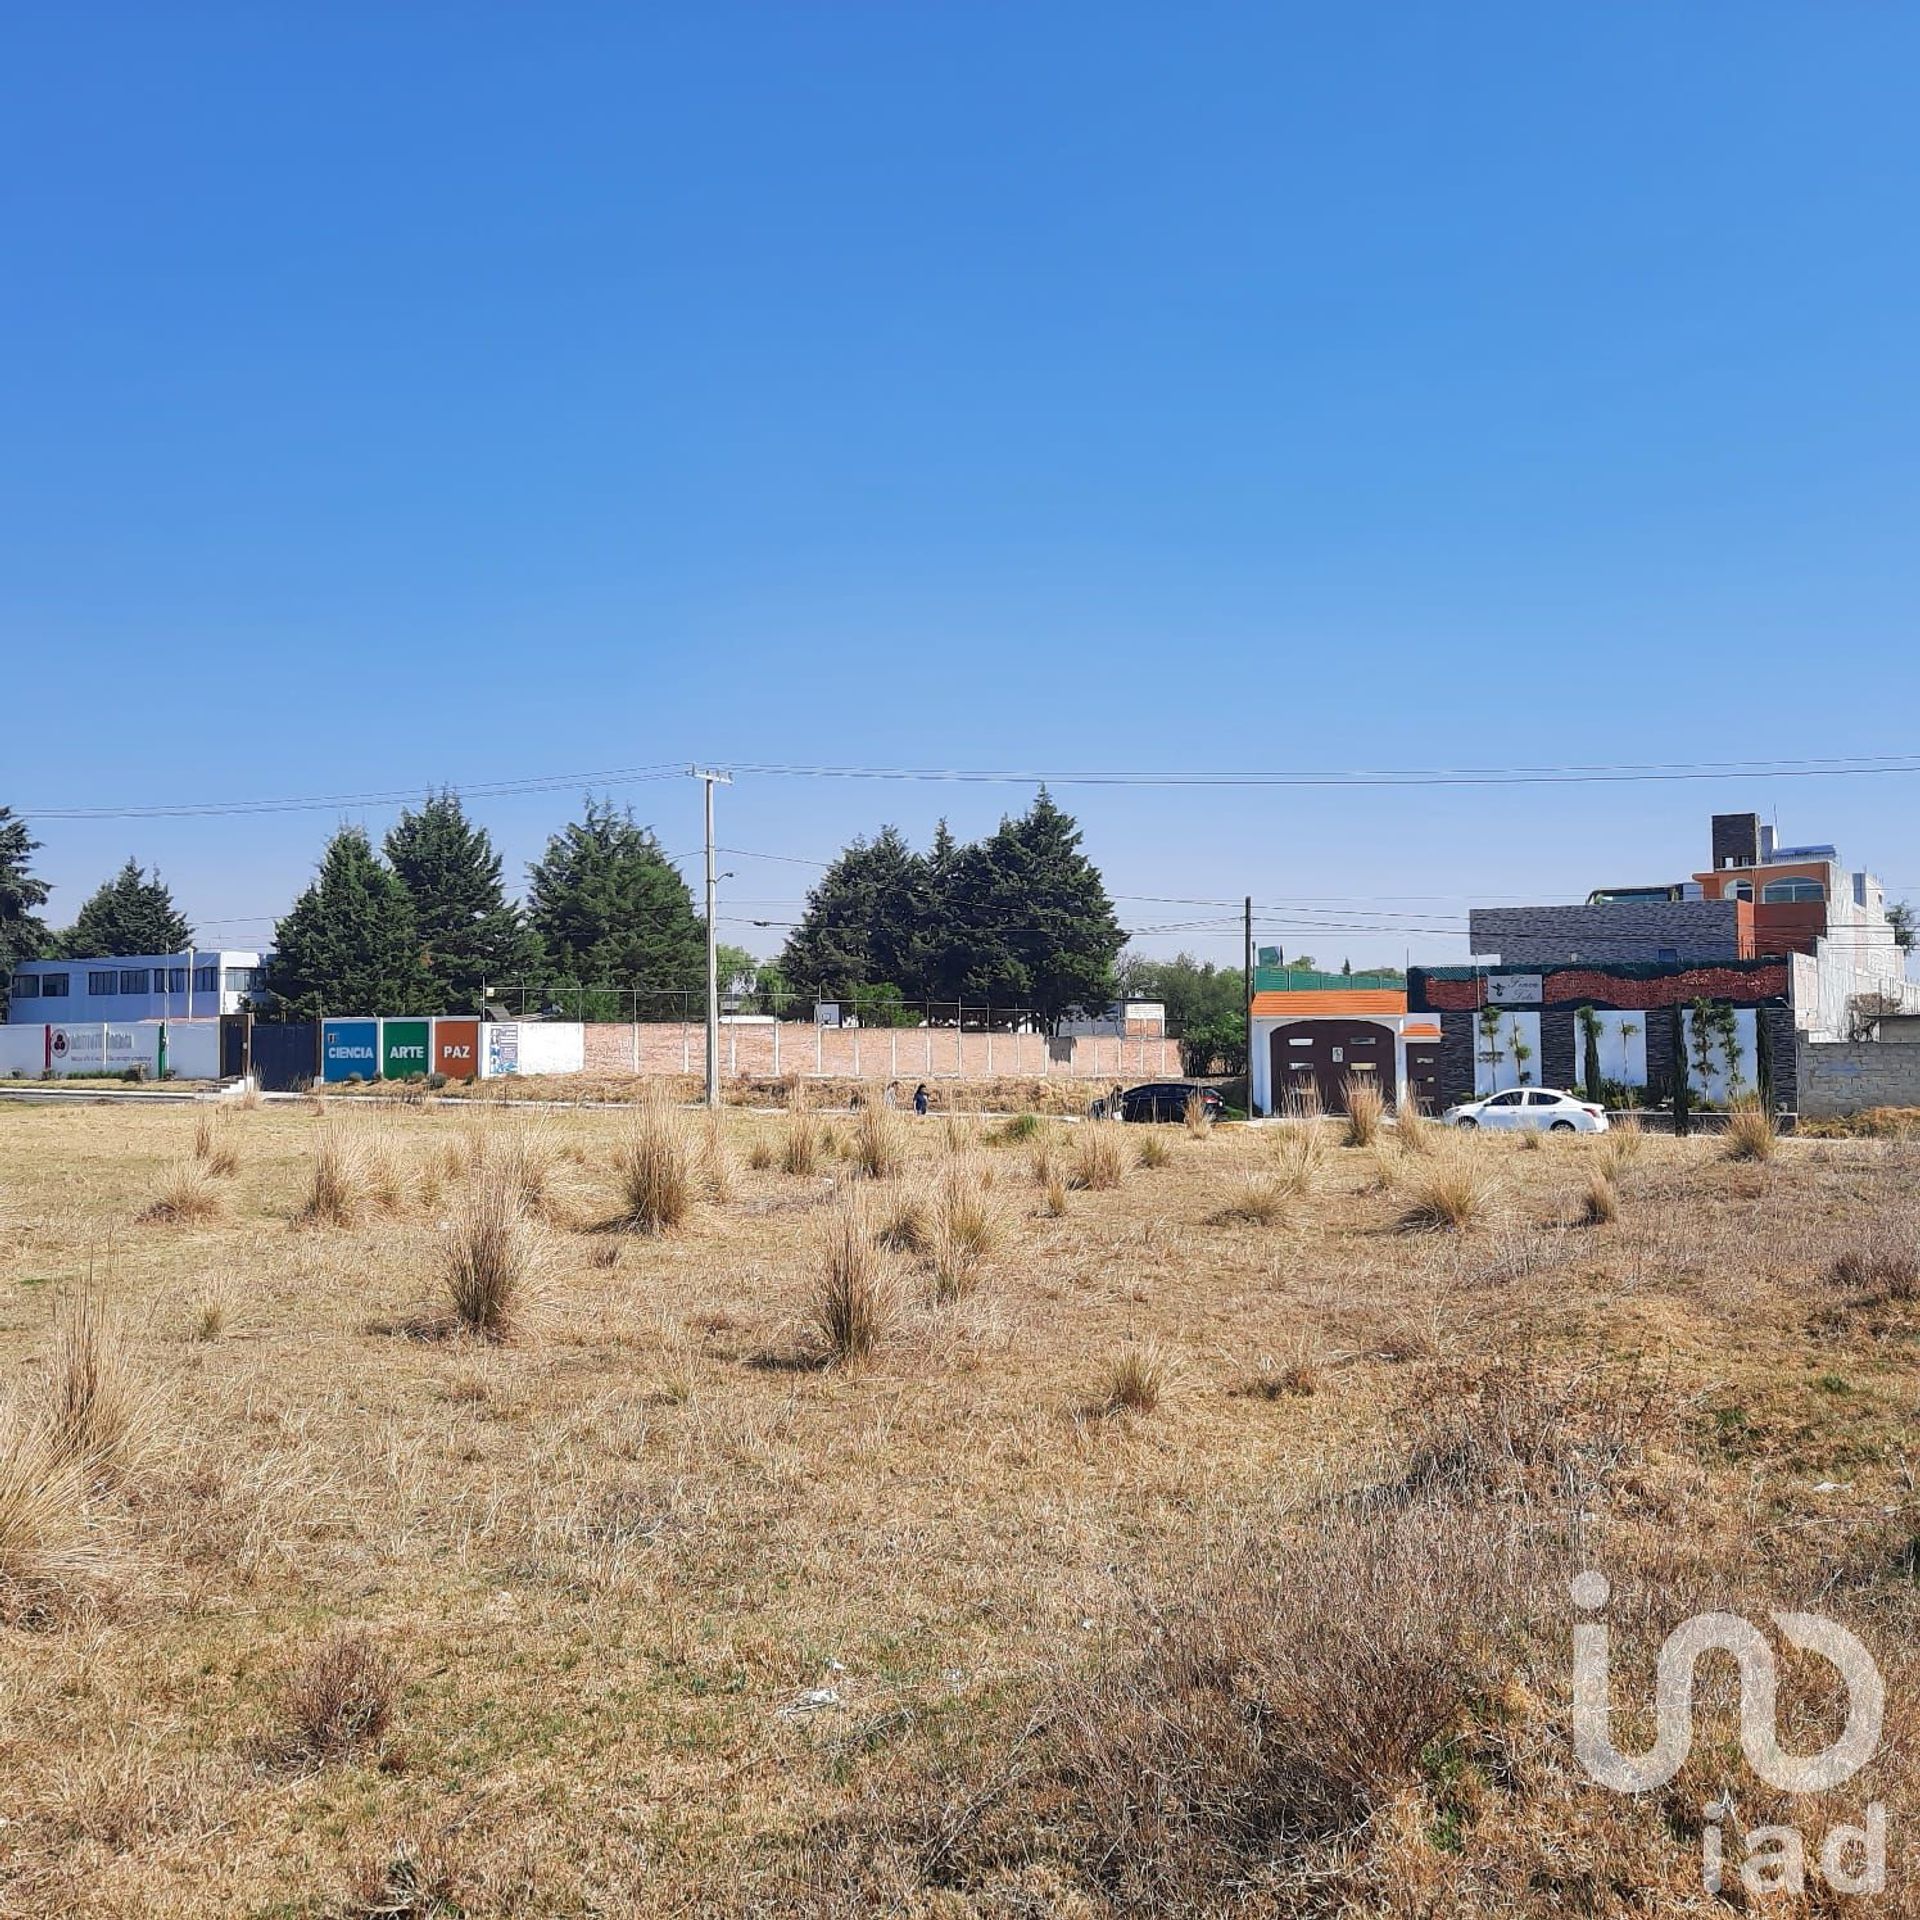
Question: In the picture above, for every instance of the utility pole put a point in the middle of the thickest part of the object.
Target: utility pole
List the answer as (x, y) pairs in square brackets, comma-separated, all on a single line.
[(713, 777), (1247, 927)]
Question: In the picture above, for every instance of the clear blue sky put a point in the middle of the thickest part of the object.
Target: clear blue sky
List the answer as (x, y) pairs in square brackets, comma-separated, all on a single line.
[(395, 395)]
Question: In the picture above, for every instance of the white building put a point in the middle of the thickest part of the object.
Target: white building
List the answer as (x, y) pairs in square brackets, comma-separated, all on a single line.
[(124, 988)]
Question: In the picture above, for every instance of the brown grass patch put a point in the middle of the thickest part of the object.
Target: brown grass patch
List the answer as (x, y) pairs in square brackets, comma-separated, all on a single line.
[(213, 1145), (1751, 1133), (1601, 1204), (1366, 1112), (1154, 1152), (335, 1197), (1136, 1378), (1258, 1200), (1099, 1163), (879, 1141), (185, 1197), (339, 1701), (852, 1302), (1450, 1194), (98, 1415), (655, 1173), (490, 1256)]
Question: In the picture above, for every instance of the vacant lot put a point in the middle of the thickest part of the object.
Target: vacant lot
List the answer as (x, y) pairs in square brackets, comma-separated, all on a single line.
[(1026, 1530)]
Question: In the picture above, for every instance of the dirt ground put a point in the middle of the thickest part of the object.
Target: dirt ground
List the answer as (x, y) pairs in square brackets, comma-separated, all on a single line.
[(681, 1619)]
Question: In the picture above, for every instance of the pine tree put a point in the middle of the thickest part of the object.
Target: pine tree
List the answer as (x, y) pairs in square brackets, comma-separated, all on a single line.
[(865, 925), (128, 914), (470, 932), (1032, 925), (350, 943), (23, 935), (615, 917)]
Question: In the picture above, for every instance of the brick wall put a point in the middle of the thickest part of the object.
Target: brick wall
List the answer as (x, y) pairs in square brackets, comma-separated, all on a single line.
[(1837, 1077), (769, 1051)]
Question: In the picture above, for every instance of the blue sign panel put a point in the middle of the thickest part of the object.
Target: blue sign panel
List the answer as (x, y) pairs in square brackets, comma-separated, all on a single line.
[(349, 1047)]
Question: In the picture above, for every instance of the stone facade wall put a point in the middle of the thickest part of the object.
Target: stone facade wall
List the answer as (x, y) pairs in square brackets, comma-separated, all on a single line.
[(771, 1050), (1559, 1050), (1695, 932), (1837, 1077)]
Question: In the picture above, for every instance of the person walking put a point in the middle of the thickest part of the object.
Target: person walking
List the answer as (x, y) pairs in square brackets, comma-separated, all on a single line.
[(920, 1098)]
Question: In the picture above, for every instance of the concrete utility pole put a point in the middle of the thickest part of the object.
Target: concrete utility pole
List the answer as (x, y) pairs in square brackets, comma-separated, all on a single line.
[(713, 777)]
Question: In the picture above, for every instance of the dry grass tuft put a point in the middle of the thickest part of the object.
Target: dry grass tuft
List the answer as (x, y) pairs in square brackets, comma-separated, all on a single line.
[(209, 1316), (1882, 1268), (761, 1156), (47, 1542), (213, 1145), (879, 1141), (800, 1156), (1154, 1151), (185, 1197), (1020, 1127), (718, 1173), (907, 1226), (1054, 1193), (339, 1700), (1300, 1156), (1601, 1206), (1099, 1165), (852, 1302), (1136, 1379), (1416, 1130), (959, 1134), (1449, 1195), (98, 1416), (1259, 1200), (1199, 1122), (1751, 1134), (966, 1230), (334, 1193), (1366, 1111), (655, 1172), (490, 1255)]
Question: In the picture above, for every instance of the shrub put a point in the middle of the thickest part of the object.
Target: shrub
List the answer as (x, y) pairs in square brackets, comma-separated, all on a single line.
[(339, 1699), (1260, 1200), (98, 1417), (655, 1173), (852, 1303), (1451, 1194), (1136, 1378), (879, 1147), (185, 1197), (1154, 1151), (488, 1255), (1751, 1134), (1097, 1162), (334, 1194), (1602, 1202), (1366, 1109)]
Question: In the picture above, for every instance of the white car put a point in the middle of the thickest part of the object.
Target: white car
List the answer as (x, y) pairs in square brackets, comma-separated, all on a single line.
[(1530, 1107)]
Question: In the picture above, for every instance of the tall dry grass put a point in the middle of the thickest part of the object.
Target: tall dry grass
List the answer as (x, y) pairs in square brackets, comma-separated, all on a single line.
[(340, 1699), (48, 1542), (1258, 1199), (655, 1172), (185, 1197), (1413, 1127), (336, 1194), (1099, 1163), (1751, 1133), (1601, 1204), (1198, 1120), (1366, 1111), (490, 1255), (213, 1145), (800, 1151), (879, 1141), (1451, 1192), (99, 1415), (1136, 1378), (966, 1231), (851, 1305), (1299, 1156)]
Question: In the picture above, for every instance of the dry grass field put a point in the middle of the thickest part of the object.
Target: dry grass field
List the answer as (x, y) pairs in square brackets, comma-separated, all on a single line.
[(444, 1510)]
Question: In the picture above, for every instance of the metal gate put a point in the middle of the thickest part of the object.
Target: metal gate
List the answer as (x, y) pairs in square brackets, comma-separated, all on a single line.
[(283, 1054)]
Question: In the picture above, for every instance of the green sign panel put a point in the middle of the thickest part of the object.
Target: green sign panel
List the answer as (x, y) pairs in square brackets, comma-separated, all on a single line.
[(405, 1049)]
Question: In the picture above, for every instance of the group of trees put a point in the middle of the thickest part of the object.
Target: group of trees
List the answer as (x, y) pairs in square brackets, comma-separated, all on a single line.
[(1018, 922), (424, 925)]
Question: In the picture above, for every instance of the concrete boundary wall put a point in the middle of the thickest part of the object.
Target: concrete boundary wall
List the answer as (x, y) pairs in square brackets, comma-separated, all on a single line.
[(1838, 1077), (769, 1050)]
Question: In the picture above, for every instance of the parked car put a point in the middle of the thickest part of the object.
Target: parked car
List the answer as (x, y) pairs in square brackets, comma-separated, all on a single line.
[(1169, 1100), (1539, 1108)]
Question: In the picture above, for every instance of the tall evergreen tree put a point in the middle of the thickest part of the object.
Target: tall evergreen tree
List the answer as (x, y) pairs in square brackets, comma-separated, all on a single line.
[(866, 924), (23, 935), (1031, 917), (470, 932), (350, 943), (614, 915), (128, 914)]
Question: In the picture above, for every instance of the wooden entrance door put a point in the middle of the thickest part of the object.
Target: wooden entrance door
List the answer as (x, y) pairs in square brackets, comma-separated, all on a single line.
[(1314, 1059)]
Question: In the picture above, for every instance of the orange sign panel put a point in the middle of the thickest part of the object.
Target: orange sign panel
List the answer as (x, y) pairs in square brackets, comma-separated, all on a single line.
[(456, 1048)]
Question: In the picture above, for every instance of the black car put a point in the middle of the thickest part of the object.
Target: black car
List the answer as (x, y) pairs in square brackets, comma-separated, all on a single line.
[(1169, 1100)]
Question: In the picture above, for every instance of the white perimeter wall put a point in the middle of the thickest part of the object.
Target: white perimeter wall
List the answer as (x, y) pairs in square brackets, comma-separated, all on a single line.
[(112, 1046)]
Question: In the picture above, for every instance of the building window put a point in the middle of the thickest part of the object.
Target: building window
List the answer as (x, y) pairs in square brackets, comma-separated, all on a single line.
[(53, 986), (1778, 893), (240, 979), (1740, 890), (206, 979), (103, 981), (177, 980), (26, 986), (133, 979)]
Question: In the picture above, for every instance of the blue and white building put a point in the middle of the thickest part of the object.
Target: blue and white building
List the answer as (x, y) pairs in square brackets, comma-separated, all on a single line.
[(126, 987)]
